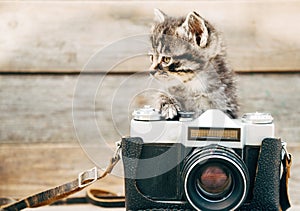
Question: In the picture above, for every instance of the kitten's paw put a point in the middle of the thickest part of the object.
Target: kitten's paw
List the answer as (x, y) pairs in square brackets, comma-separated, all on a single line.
[(169, 111), (168, 106)]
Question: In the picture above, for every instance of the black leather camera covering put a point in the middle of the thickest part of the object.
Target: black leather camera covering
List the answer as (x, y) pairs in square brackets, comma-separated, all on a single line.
[(135, 201), (266, 191)]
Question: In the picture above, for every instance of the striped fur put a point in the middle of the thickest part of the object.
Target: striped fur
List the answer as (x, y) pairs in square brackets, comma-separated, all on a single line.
[(189, 57)]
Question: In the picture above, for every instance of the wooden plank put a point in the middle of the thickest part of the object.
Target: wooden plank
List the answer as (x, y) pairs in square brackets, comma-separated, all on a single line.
[(52, 36), (38, 108), (76, 208), (39, 148), (30, 168)]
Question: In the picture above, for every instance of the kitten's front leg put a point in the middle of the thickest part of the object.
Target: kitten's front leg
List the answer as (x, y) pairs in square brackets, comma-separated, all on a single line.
[(168, 106)]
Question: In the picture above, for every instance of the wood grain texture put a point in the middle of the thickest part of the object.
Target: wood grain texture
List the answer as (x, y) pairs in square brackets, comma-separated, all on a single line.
[(38, 108), (40, 148), (31, 168), (28, 169), (52, 36)]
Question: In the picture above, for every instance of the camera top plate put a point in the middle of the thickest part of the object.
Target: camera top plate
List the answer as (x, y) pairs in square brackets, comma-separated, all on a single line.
[(257, 118), (147, 113), (220, 128)]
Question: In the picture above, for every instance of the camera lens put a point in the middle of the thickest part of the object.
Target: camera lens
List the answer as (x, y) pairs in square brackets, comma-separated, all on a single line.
[(215, 178), (214, 181)]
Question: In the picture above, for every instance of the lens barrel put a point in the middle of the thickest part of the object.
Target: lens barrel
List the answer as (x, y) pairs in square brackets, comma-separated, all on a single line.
[(215, 178)]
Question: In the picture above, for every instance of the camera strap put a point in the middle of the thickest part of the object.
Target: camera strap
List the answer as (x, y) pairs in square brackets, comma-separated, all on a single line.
[(286, 164), (83, 180)]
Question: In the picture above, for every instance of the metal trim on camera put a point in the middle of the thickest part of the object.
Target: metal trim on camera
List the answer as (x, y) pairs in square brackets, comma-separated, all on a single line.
[(257, 118), (147, 113), (211, 162)]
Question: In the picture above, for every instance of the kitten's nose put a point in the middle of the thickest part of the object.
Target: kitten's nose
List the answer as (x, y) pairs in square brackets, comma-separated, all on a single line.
[(154, 68)]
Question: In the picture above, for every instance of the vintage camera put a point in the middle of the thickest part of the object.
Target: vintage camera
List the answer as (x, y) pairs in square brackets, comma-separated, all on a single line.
[(211, 162)]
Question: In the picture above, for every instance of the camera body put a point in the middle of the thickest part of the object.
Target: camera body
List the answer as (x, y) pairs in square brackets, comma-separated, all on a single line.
[(207, 163)]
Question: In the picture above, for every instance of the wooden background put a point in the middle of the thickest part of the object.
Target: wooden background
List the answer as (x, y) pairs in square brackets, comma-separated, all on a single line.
[(57, 36), (45, 45)]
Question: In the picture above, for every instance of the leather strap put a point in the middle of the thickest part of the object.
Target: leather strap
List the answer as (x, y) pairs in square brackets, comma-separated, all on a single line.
[(84, 179), (284, 196), (97, 197), (105, 198)]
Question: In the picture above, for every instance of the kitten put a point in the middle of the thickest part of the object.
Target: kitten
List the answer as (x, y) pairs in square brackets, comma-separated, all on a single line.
[(190, 59)]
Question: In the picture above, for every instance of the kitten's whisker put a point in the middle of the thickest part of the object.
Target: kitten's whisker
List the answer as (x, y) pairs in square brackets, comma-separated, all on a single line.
[(150, 79)]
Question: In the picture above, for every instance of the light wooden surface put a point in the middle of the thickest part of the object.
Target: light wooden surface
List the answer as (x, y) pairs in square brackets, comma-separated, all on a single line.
[(76, 208), (39, 147), (61, 36), (31, 168), (38, 143), (38, 108)]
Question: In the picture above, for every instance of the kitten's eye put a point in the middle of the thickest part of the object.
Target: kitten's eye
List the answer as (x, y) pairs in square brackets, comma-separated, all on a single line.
[(166, 59)]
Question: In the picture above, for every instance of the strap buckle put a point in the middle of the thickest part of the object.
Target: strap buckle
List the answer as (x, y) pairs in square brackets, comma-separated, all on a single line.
[(87, 177), (286, 158), (285, 151)]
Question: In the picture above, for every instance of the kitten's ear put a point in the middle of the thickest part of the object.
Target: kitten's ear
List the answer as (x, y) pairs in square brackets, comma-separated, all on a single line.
[(159, 16), (194, 28)]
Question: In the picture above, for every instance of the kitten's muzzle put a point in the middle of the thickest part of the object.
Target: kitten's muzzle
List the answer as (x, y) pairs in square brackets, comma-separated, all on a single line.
[(158, 73), (157, 69)]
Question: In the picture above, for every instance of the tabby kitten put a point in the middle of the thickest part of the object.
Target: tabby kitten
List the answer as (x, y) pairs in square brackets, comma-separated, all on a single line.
[(188, 56)]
